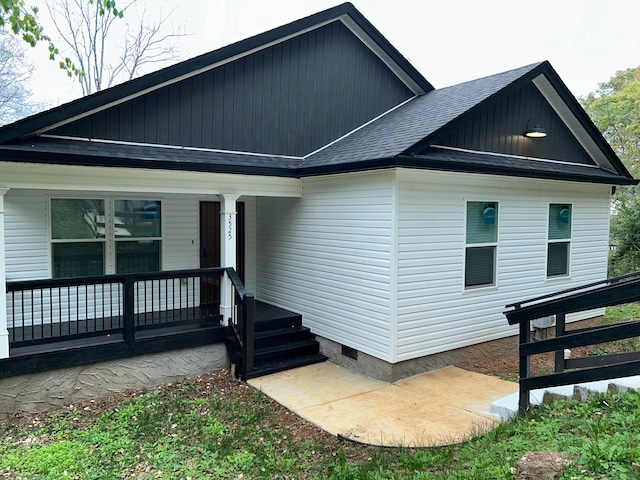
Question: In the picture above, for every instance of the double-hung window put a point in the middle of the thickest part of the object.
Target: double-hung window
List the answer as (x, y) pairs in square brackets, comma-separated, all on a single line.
[(137, 236), (559, 239), (481, 244), (100, 236), (77, 237)]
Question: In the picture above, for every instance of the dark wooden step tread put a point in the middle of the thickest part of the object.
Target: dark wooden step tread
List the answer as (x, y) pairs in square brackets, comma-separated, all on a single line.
[(279, 347), (281, 332), (275, 366), (276, 323)]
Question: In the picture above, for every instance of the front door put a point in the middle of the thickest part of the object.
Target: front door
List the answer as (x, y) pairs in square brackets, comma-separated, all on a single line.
[(210, 247)]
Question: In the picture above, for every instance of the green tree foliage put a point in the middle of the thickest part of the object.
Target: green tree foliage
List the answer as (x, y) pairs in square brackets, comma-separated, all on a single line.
[(23, 21), (615, 109), (625, 236)]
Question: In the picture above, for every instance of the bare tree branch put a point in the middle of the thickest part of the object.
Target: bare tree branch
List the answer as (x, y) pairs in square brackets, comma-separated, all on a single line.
[(106, 55), (15, 71)]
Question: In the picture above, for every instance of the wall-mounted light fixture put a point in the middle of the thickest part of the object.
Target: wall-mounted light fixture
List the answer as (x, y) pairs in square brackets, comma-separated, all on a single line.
[(534, 132)]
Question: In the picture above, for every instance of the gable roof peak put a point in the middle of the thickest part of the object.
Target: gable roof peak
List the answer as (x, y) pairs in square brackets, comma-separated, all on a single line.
[(515, 73), (345, 13)]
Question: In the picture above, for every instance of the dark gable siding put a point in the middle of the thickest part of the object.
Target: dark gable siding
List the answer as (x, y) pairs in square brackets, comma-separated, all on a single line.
[(291, 98), (498, 127)]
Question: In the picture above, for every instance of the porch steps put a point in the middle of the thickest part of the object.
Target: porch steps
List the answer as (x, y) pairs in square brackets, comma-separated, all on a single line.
[(507, 407), (280, 344)]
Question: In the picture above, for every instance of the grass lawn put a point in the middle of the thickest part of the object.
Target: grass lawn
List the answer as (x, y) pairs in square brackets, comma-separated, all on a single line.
[(216, 427), (213, 426)]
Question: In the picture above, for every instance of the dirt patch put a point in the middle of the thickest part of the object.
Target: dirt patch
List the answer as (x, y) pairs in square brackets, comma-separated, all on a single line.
[(541, 465), (507, 367)]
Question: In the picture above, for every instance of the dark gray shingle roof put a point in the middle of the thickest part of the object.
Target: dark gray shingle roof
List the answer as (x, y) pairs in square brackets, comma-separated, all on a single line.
[(407, 125), (437, 158), (78, 152)]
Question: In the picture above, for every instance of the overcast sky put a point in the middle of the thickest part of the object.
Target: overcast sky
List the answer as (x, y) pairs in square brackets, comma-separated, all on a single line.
[(448, 41)]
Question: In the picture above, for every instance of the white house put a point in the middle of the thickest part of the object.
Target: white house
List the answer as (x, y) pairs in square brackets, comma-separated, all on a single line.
[(397, 219)]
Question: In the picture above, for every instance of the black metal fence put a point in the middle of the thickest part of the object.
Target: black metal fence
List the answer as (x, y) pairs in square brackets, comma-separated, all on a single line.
[(610, 292), (43, 311)]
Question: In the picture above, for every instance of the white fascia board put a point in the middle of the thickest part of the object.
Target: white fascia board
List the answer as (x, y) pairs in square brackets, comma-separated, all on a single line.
[(382, 55), (572, 123), (85, 178)]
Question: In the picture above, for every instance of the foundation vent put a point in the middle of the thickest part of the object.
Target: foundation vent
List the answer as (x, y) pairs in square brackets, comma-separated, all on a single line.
[(349, 352)]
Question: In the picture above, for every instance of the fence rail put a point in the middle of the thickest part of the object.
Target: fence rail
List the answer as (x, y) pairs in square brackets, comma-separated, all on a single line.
[(609, 292), (52, 310)]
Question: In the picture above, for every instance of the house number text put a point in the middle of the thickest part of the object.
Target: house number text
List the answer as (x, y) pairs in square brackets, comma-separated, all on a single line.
[(230, 226)]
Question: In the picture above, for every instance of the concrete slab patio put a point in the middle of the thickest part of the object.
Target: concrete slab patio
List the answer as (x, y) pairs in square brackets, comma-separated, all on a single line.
[(436, 408)]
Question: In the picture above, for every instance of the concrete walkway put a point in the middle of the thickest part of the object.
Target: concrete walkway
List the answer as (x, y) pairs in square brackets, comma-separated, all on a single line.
[(442, 407)]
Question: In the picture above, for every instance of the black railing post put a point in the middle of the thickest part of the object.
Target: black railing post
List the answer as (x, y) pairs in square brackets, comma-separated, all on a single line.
[(560, 331), (248, 335), (128, 321), (525, 366)]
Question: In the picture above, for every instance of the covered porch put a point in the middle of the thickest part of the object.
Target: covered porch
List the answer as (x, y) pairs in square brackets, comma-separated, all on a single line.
[(178, 292), (62, 323)]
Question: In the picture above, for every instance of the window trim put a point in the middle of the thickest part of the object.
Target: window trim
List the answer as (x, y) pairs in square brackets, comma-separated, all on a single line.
[(568, 241), (109, 240), (495, 245)]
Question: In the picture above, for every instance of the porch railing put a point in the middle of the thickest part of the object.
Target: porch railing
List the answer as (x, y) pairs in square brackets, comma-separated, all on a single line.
[(42, 311), (610, 292), (243, 322)]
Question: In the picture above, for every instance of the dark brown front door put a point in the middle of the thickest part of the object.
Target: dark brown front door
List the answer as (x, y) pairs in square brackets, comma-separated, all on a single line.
[(210, 246)]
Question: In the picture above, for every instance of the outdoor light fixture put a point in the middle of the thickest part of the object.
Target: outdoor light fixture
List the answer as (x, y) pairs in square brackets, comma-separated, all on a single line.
[(534, 132)]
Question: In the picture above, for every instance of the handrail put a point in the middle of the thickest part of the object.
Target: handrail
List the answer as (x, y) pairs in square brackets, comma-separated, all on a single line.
[(84, 301), (243, 325), (15, 286), (608, 281), (237, 283), (611, 293), (614, 291)]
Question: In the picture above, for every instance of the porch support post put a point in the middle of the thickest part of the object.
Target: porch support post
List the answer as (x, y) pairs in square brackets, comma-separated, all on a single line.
[(4, 333), (227, 252)]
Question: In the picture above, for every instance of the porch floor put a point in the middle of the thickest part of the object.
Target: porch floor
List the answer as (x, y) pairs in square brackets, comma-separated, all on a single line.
[(441, 407)]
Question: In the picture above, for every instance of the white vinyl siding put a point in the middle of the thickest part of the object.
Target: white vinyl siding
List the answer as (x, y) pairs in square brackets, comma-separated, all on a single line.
[(181, 233), (435, 313), (26, 235), (328, 256)]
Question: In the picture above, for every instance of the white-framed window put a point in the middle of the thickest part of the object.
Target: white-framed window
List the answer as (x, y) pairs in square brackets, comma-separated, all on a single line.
[(481, 244), (138, 234), (559, 239), (78, 237), (100, 236)]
